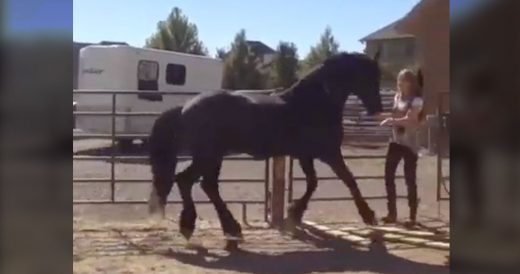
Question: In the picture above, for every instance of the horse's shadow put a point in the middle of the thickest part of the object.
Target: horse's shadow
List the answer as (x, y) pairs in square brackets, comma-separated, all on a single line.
[(331, 257)]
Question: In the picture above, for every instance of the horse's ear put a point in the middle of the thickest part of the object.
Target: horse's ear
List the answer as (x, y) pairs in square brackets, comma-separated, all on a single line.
[(376, 56), (420, 78)]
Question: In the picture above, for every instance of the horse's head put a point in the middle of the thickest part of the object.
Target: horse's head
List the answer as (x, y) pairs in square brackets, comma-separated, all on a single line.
[(347, 73)]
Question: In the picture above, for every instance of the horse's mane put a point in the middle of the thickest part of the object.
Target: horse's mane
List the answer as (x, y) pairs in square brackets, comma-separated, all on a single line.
[(311, 74), (306, 78)]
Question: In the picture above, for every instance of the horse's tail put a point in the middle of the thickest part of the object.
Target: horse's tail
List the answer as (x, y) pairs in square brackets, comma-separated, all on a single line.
[(164, 145)]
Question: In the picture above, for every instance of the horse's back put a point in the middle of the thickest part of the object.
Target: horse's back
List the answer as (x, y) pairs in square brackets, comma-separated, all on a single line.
[(237, 122)]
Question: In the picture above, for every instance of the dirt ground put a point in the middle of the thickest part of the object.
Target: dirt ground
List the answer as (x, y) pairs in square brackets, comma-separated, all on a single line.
[(155, 247), (122, 239)]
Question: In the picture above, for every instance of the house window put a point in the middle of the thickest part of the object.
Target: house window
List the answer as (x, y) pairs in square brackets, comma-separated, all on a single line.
[(148, 70), (175, 74)]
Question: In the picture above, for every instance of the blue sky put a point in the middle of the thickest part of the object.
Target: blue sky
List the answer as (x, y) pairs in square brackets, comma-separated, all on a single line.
[(29, 16), (297, 21)]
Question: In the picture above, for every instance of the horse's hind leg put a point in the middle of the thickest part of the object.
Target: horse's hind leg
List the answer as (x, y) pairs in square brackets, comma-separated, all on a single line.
[(185, 181), (230, 226), (297, 209), (342, 171)]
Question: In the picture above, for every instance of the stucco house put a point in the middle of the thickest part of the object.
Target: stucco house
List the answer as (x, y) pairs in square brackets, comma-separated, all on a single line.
[(429, 22), (397, 50)]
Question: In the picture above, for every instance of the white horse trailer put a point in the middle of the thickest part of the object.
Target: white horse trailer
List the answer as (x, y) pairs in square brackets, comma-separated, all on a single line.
[(123, 68)]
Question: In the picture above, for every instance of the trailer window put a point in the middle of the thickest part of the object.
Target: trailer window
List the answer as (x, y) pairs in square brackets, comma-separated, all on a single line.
[(148, 70), (175, 74)]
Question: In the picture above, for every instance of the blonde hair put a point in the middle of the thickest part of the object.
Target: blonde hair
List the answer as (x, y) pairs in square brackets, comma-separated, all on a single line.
[(411, 77)]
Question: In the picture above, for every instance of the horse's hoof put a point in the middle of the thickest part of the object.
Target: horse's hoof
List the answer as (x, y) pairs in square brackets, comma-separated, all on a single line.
[(410, 224), (369, 217), (389, 220), (290, 225), (371, 221), (187, 233)]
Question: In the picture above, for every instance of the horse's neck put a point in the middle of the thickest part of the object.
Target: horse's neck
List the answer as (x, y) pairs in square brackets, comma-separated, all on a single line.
[(312, 99)]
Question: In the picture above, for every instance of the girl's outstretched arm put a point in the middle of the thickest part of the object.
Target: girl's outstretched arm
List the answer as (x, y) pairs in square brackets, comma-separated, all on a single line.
[(411, 118)]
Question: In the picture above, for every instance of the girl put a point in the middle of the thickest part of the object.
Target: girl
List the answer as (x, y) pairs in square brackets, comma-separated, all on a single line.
[(404, 120)]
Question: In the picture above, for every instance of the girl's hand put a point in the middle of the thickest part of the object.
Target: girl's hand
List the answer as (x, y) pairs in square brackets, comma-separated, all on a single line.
[(387, 122)]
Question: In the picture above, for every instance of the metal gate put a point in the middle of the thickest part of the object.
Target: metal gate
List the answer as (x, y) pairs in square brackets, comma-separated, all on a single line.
[(113, 158), (292, 179), (442, 125)]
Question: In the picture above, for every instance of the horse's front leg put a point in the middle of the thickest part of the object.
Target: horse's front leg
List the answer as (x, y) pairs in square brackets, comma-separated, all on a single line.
[(297, 209), (335, 161)]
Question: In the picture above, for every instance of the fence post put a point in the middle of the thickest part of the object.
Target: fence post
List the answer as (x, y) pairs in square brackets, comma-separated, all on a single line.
[(439, 147), (278, 192)]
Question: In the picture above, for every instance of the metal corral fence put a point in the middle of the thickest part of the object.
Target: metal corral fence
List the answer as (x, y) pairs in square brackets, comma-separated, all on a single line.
[(292, 179), (355, 125), (113, 136), (443, 144), (273, 201), (358, 125)]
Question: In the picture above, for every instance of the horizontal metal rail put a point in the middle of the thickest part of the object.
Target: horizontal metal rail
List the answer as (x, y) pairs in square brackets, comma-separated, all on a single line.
[(355, 177), (361, 157), (338, 199), (108, 135), (384, 94), (108, 158), (109, 113), (184, 158), (133, 202), (181, 158), (130, 92), (138, 136), (108, 180)]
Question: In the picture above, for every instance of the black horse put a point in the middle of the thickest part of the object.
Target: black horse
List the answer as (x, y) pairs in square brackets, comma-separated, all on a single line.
[(304, 121)]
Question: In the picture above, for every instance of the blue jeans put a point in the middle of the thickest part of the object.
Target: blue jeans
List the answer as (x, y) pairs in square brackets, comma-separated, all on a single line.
[(395, 153)]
